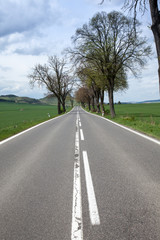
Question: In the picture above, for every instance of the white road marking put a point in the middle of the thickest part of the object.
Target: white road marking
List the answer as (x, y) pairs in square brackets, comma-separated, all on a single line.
[(77, 224), (31, 128), (128, 129), (78, 117), (82, 136), (80, 124), (93, 209)]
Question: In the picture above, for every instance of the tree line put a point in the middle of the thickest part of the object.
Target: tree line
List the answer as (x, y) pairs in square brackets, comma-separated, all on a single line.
[(103, 51)]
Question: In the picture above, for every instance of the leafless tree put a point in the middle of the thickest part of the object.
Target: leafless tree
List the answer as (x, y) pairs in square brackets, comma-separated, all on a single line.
[(55, 78)]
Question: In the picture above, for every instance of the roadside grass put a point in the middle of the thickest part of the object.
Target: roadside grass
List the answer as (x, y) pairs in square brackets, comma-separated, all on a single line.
[(144, 118), (16, 117)]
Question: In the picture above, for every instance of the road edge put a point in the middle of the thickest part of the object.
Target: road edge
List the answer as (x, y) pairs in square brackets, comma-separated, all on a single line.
[(31, 128), (126, 128)]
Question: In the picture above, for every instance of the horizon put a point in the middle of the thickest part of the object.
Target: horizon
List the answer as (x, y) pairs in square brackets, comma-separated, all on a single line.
[(115, 102), (45, 29)]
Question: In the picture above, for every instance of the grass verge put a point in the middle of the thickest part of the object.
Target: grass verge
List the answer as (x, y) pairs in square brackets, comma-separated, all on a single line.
[(144, 118), (17, 117)]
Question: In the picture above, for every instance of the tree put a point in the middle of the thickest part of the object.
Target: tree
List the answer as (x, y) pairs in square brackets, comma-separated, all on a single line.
[(70, 99), (83, 96), (108, 42), (155, 16), (55, 78), (90, 78)]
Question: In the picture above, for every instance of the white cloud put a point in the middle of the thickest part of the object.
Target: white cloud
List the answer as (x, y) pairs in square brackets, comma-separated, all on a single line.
[(146, 87), (113, 3), (15, 80), (23, 29), (21, 16)]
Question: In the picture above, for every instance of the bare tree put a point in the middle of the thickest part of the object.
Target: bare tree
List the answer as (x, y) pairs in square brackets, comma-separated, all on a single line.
[(55, 78), (142, 6), (109, 44), (64, 82)]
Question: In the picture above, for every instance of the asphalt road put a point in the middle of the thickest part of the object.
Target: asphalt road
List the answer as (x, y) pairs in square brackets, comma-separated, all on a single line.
[(79, 177)]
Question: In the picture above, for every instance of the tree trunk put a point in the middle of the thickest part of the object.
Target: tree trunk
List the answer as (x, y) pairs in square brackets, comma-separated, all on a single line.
[(83, 105), (97, 93), (155, 15), (64, 107), (111, 103), (59, 107), (102, 101), (71, 103), (93, 105), (89, 105), (97, 105)]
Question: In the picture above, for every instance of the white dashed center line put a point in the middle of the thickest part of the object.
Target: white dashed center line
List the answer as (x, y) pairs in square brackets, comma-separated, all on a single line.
[(82, 136), (93, 209), (77, 224)]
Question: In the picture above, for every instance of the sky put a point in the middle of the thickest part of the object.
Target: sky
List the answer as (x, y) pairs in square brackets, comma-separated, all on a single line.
[(32, 30)]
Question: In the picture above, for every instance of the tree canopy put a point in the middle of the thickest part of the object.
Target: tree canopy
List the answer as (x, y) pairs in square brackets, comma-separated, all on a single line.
[(142, 6), (109, 45)]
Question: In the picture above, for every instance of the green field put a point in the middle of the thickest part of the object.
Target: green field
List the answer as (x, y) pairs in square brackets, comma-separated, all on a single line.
[(142, 117), (16, 117)]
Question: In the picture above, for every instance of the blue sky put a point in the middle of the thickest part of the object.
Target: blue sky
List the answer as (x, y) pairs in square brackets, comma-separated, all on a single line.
[(32, 30)]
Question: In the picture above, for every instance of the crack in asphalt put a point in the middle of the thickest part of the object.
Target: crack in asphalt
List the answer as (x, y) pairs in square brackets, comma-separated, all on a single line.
[(77, 225)]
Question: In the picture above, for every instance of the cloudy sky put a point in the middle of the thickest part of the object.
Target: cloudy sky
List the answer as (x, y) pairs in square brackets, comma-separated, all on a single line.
[(32, 30)]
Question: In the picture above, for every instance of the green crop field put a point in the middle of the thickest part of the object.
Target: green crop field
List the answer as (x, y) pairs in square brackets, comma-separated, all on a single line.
[(142, 117), (16, 117)]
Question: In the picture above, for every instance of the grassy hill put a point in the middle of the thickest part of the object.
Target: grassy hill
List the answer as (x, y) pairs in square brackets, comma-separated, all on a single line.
[(48, 100), (16, 99)]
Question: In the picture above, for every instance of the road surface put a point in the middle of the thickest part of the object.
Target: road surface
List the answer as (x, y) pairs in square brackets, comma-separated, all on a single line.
[(79, 177)]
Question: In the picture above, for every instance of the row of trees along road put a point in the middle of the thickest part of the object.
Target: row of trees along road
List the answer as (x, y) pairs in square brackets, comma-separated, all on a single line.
[(104, 50), (57, 80)]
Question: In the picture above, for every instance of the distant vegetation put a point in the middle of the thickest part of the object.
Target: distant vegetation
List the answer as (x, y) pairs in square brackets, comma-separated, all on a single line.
[(16, 117)]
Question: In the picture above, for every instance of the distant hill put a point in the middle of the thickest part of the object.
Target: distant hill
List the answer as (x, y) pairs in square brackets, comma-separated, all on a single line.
[(150, 101), (51, 100), (8, 96), (48, 100), (147, 101), (16, 99)]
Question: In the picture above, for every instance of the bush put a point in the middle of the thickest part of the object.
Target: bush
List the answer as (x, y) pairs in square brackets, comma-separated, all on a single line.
[(129, 118)]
